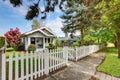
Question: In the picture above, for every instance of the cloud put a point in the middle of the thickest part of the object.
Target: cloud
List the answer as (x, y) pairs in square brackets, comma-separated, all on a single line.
[(56, 26), (22, 9)]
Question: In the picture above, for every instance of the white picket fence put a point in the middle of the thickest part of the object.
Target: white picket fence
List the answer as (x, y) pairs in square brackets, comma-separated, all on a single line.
[(30, 66), (76, 53)]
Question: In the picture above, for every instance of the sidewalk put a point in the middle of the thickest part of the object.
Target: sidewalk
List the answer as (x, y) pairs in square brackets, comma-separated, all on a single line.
[(82, 70)]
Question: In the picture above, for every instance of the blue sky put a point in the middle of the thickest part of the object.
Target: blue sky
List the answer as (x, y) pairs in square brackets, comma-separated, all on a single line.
[(11, 17)]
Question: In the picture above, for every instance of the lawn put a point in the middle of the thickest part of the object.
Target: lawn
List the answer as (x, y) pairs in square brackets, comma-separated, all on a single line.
[(111, 64)]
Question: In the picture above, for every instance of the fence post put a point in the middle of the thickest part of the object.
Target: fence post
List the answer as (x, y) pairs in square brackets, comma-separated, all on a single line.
[(76, 52), (2, 65), (46, 59), (65, 54)]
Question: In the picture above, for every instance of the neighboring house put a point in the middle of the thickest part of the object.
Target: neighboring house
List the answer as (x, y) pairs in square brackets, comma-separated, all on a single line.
[(41, 37), (67, 41)]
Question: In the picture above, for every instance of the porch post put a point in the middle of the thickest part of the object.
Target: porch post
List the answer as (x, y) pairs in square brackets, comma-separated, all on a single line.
[(43, 42), (27, 42)]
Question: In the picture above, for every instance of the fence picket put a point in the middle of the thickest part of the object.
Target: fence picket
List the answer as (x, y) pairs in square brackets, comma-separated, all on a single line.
[(46, 58), (11, 67), (31, 65), (22, 66), (27, 66), (35, 58), (16, 67)]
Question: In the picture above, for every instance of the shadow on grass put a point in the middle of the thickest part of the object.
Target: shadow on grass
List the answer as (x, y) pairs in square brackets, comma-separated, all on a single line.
[(109, 50), (111, 63)]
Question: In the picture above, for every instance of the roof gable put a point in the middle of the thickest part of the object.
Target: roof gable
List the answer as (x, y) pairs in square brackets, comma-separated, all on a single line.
[(42, 30), (47, 30)]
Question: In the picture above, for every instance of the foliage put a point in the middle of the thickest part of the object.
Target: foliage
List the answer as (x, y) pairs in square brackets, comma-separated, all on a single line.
[(35, 8), (110, 18), (77, 43), (13, 37), (57, 43), (31, 47), (2, 41), (21, 47), (79, 15), (111, 64), (10, 49), (51, 46)]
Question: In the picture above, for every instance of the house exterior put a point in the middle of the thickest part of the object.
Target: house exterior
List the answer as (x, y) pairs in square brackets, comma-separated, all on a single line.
[(67, 41), (41, 37)]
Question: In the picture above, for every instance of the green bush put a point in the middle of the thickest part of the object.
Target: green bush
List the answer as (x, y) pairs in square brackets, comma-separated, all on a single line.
[(51, 46), (10, 49), (21, 47), (76, 44), (57, 43), (31, 47), (2, 41)]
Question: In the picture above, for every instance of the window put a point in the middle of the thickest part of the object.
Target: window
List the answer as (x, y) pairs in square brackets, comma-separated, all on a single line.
[(48, 40), (32, 40)]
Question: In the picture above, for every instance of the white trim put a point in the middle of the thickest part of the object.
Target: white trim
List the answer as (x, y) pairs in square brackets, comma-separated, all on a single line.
[(40, 30), (35, 31), (48, 30)]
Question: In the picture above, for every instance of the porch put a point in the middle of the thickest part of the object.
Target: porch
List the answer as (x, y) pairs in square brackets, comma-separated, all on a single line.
[(39, 42)]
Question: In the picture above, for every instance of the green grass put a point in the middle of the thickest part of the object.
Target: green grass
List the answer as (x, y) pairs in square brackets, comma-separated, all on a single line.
[(111, 64)]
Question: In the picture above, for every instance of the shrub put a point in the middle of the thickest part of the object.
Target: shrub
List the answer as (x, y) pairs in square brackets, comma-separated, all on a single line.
[(57, 42), (21, 47), (75, 44), (2, 41), (10, 49), (51, 46), (31, 47)]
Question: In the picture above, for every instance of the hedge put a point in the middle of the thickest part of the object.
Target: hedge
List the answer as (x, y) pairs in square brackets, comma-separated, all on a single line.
[(2, 41)]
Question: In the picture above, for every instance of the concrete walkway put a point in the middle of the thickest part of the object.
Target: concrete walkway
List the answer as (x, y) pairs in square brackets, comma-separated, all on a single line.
[(103, 76), (82, 70)]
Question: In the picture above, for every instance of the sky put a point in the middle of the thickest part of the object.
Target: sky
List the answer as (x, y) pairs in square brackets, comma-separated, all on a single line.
[(12, 17)]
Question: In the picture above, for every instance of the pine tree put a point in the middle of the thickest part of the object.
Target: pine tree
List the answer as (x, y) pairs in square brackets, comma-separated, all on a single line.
[(78, 15)]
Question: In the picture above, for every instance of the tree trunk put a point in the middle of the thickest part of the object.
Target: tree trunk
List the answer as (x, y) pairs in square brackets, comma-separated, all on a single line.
[(118, 43), (82, 36), (98, 40)]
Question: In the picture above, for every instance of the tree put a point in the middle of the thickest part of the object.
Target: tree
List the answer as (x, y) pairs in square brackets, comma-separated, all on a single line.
[(2, 41), (111, 17), (35, 8), (78, 15), (13, 37)]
